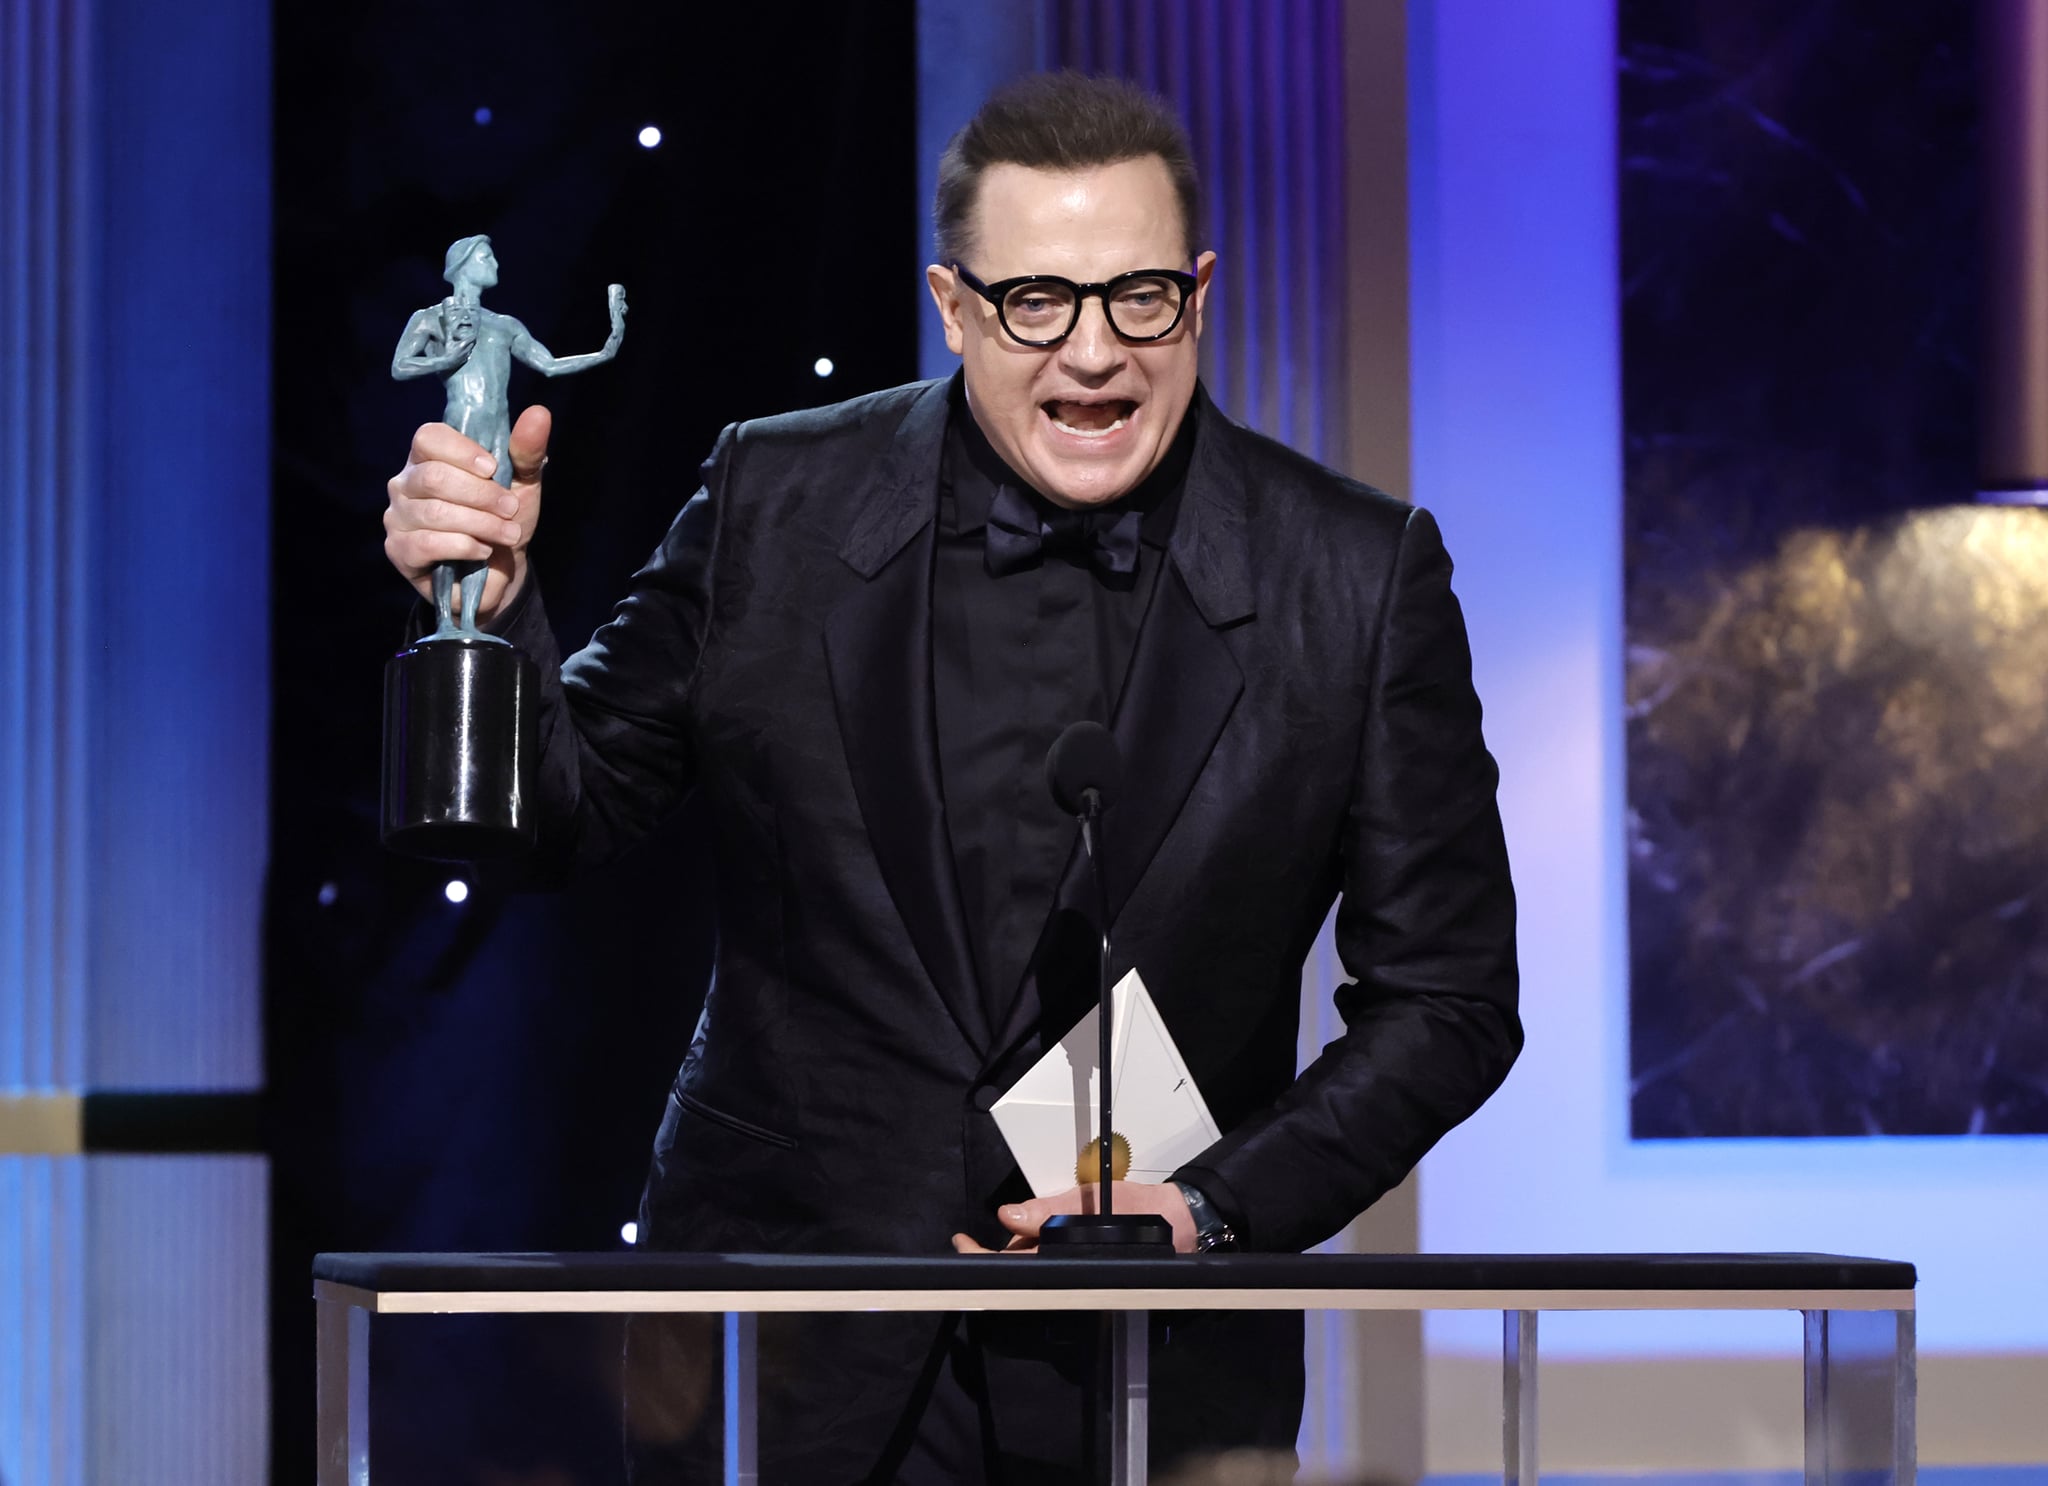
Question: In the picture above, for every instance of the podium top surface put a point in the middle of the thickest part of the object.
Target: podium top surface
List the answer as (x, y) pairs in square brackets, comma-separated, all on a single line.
[(646, 1281)]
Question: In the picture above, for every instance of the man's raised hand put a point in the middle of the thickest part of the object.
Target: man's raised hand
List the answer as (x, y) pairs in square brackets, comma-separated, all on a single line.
[(445, 507)]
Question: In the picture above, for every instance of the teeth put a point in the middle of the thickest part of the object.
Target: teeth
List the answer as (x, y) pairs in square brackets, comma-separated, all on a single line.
[(1088, 433)]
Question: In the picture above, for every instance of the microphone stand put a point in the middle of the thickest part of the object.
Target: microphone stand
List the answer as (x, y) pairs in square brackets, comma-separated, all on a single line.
[(1083, 764), (1105, 1234), (1091, 820)]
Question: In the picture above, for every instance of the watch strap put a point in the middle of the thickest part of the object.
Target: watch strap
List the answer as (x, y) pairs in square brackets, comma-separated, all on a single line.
[(1212, 1229)]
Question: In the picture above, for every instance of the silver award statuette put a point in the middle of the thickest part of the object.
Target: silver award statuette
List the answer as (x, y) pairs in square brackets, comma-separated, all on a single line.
[(461, 722)]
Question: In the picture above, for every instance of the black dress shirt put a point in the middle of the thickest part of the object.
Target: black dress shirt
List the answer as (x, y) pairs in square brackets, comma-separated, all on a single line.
[(1015, 660)]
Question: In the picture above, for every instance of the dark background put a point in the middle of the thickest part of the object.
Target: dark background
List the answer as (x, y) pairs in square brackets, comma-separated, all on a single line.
[(489, 1075)]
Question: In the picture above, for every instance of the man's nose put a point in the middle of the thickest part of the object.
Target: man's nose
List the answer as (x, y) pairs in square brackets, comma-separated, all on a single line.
[(1093, 348)]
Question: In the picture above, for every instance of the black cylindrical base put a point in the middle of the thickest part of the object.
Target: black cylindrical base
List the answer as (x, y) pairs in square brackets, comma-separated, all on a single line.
[(461, 733), (1117, 1236)]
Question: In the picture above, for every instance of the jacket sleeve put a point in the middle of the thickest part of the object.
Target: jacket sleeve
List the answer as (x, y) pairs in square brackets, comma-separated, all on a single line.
[(615, 718), (1425, 927)]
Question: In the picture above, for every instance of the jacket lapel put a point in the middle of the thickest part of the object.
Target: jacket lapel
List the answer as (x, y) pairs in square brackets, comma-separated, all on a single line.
[(1182, 685), (879, 651)]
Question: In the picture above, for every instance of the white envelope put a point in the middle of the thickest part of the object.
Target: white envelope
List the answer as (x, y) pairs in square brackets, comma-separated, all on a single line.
[(1049, 1113)]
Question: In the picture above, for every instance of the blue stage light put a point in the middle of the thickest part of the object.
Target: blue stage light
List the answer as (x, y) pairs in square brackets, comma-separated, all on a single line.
[(483, 116), (457, 890), (822, 366), (649, 137)]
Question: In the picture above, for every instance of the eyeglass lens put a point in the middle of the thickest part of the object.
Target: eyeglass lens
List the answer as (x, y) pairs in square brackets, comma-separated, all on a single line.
[(1140, 308)]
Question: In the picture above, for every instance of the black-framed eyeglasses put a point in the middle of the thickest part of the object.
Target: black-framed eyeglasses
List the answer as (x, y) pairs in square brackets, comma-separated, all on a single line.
[(1042, 309)]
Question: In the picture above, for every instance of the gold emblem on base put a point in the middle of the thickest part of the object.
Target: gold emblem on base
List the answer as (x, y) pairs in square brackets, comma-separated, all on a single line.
[(1088, 1167)]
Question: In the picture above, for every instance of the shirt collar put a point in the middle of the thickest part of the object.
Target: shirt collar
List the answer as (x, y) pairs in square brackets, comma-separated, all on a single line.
[(972, 471)]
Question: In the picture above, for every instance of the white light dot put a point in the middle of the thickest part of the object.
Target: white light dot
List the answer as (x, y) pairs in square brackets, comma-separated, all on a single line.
[(328, 893), (630, 1232), (482, 116), (649, 137), (822, 366), (457, 890)]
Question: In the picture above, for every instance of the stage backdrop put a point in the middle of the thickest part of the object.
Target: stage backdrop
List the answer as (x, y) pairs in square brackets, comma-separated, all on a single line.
[(1520, 174), (1837, 673)]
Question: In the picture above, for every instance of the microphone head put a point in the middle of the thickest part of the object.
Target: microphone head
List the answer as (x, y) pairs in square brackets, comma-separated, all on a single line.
[(1082, 758)]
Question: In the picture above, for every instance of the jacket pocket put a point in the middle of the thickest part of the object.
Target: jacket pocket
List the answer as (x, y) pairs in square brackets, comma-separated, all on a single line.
[(731, 1122)]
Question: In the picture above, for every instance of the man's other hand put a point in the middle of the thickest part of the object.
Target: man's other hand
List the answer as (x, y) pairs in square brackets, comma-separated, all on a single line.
[(1024, 1219), (445, 507)]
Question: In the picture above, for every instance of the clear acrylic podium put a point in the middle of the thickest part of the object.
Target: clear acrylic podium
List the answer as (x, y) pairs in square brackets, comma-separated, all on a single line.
[(1858, 1314)]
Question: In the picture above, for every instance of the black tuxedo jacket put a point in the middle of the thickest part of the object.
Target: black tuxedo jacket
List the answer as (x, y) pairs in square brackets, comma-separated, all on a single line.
[(1298, 722)]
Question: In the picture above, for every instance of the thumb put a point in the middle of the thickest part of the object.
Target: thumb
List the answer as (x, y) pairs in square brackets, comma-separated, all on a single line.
[(529, 444), (1026, 1218)]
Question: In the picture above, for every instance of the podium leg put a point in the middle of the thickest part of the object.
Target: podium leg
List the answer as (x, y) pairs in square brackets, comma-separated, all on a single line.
[(1518, 1398), (742, 1396), (1130, 1395), (1861, 1398), (343, 1422)]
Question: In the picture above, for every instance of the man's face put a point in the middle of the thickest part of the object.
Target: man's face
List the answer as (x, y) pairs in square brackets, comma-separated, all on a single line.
[(1088, 419), (482, 268)]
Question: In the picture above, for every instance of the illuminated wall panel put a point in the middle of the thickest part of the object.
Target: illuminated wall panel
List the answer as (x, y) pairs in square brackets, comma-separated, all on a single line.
[(46, 624), (177, 1379), (134, 685), (42, 1321), (48, 488), (178, 556), (1518, 447)]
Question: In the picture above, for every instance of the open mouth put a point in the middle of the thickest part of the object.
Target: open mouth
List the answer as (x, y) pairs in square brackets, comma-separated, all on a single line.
[(1090, 420)]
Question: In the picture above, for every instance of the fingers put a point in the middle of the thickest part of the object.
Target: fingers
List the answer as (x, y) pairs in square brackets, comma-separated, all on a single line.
[(444, 507), (437, 443), (412, 552), (962, 1244), (447, 467), (438, 498)]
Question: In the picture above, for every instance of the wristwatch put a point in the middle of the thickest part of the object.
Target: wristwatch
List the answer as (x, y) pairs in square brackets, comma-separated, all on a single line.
[(1212, 1232)]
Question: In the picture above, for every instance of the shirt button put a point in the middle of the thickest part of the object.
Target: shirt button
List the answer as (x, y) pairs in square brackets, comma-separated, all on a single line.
[(985, 1098)]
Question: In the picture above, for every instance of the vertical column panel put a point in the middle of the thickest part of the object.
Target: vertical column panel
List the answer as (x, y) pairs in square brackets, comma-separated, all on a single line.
[(2012, 383), (1364, 201), (1262, 92), (178, 1272), (134, 414), (966, 49), (179, 553), (42, 1321), (46, 495)]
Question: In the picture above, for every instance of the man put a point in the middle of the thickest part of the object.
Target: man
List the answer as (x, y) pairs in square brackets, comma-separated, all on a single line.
[(858, 640)]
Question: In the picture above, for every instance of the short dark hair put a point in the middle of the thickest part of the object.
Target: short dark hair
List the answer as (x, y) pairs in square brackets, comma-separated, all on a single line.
[(1060, 121)]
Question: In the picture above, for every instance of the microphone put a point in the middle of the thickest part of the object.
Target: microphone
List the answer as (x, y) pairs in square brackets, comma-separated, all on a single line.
[(1084, 768), (1084, 761)]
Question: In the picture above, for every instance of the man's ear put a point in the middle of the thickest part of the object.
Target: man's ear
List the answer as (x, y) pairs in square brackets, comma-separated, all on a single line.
[(946, 295), (1205, 268)]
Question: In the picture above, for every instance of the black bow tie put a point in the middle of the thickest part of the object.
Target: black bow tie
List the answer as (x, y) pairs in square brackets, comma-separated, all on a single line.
[(1021, 533)]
